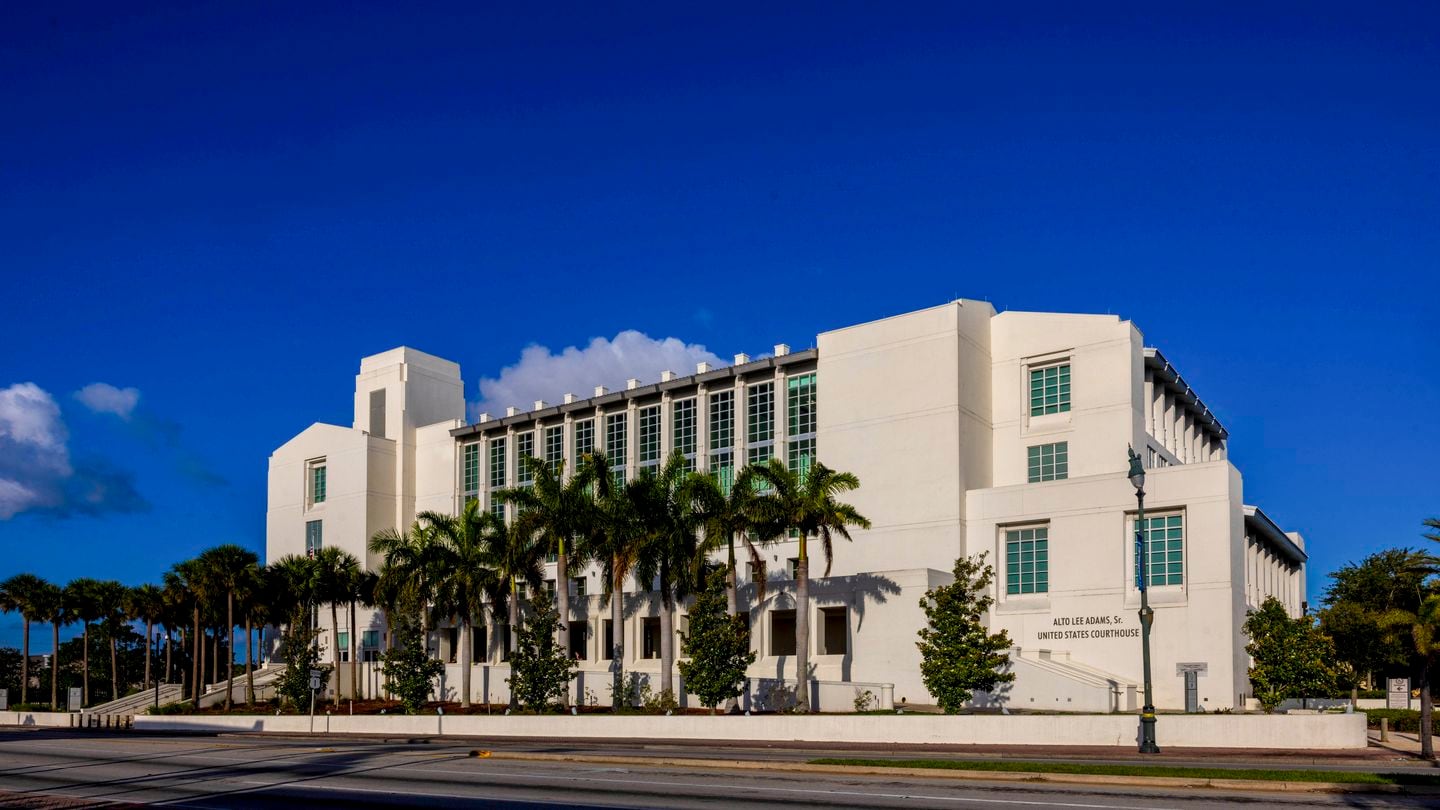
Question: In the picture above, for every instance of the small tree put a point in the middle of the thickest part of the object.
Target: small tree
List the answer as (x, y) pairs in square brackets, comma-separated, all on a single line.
[(958, 655), (1291, 657), (718, 646), (409, 671), (540, 668), (301, 655)]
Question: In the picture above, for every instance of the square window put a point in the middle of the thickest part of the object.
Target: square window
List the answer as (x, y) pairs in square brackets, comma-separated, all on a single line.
[(1164, 546), (1027, 560), (1050, 389), (1047, 462)]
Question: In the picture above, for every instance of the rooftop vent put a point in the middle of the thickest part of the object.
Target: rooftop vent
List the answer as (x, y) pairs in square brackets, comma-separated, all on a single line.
[(484, 417), (741, 359), (701, 368), (601, 390), (540, 404), (569, 398), (511, 410), (782, 349), (631, 384), (667, 376)]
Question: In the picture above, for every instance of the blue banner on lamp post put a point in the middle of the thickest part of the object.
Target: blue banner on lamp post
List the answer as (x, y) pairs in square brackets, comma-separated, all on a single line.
[(1139, 562)]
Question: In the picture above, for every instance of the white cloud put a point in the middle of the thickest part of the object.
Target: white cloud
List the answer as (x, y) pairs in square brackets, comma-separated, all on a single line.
[(36, 474), (543, 375), (33, 449), (106, 398)]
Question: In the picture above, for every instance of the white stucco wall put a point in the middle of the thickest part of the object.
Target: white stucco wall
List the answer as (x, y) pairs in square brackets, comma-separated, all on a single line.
[(1318, 732)]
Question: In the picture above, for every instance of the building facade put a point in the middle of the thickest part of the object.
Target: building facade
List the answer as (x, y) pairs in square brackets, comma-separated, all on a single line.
[(970, 431)]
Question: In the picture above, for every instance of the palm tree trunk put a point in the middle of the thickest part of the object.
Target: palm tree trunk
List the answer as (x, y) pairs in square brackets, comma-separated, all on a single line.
[(114, 670), (85, 662), (249, 663), (54, 665), (195, 662), (617, 641), (1427, 711), (802, 633), (514, 632), (230, 653), (562, 605), (335, 650), (215, 657), (25, 663), (354, 655), (732, 607), (149, 644), (465, 657), (732, 598), (169, 654), (667, 642)]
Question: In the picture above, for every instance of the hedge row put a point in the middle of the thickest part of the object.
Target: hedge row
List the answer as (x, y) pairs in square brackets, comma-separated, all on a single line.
[(1407, 720)]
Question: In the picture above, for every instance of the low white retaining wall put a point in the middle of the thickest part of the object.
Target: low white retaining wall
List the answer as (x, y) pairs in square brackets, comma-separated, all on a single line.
[(1321, 731), (45, 719)]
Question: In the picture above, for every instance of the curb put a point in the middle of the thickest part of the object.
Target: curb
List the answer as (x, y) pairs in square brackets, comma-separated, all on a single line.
[(1265, 785)]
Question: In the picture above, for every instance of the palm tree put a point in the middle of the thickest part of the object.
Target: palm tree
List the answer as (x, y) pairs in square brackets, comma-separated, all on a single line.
[(726, 516), (228, 567), (807, 505), (255, 601), (48, 601), (18, 594), (290, 582), (175, 617), (193, 578), (556, 512), (146, 603), (83, 599), (614, 540), (335, 569), (670, 554), (362, 591), (409, 573), (110, 603), (515, 557), (464, 554), (1422, 627)]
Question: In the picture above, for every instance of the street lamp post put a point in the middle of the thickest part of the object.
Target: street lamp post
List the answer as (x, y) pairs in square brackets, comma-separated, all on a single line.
[(1147, 616)]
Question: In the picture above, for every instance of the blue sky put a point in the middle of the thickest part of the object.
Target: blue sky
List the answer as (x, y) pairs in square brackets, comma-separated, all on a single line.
[(224, 208)]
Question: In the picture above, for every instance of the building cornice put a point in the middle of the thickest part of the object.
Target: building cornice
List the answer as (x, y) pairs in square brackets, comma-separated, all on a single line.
[(1184, 394), (1259, 523), (479, 429)]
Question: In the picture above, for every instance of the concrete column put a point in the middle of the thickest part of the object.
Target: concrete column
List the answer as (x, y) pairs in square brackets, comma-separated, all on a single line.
[(782, 417), (702, 427)]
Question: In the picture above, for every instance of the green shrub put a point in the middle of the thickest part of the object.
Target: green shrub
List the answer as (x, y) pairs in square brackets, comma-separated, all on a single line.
[(1407, 720), (179, 707)]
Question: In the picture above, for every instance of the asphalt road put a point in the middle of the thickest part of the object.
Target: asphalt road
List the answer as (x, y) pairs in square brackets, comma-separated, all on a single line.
[(70, 769)]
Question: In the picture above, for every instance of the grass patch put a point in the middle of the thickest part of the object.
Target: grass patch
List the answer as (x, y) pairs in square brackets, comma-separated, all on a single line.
[(1103, 769)]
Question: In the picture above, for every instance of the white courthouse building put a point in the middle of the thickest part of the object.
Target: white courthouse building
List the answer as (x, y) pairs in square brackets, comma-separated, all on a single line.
[(970, 431)]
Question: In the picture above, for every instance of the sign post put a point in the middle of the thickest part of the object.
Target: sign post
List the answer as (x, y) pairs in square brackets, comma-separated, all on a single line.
[(314, 687), (1397, 693)]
